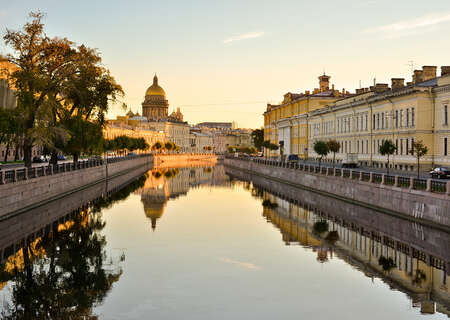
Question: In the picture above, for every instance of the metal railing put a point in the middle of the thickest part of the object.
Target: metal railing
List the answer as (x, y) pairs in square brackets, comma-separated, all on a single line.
[(377, 178), (15, 175)]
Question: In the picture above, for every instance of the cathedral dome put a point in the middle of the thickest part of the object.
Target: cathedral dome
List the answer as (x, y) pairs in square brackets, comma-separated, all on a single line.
[(155, 89)]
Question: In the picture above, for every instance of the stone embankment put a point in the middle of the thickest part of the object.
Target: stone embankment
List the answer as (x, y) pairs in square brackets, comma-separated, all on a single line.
[(22, 189), (360, 188)]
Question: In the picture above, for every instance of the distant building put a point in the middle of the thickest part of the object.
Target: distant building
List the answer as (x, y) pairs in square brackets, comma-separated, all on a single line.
[(216, 125)]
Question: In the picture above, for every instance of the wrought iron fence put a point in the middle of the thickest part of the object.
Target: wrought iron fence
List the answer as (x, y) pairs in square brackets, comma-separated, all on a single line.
[(389, 180), (420, 184), (438, 186), (403, 182)]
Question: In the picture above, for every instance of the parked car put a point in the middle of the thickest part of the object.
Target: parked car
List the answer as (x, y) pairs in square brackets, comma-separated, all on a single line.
[(292, 158), (61, 157), (131, 153), (38, 160), (350, 165), (440, 173)]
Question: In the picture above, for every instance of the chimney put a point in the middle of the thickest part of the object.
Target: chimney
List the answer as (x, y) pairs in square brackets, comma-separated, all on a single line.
[(418, 76), (445, 70), (359, 91), (397, 83), (372, 88), (429, 72), (307, 92), (410, 83), (381, 87), (324, 83)]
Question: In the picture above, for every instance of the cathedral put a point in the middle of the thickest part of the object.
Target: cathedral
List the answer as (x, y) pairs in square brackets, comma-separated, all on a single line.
[(156, 107)]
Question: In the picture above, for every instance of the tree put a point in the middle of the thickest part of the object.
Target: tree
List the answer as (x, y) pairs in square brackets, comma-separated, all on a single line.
[(157, 146), (419, 150), (387, 148), (55, 81), (10, 129), (169, 146), (321, 148), (333, 146), (258, 138)]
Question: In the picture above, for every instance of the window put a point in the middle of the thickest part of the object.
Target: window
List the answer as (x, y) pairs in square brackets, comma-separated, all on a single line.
[(407, 117), (396, 146), (378, 121), (373, 122), (445, 115), (357, 123), (401, 118), (382, 120), (445, 146), (412, 117), (401, 146), (367, 146), (396, 118), (367, 116), (407, 146)]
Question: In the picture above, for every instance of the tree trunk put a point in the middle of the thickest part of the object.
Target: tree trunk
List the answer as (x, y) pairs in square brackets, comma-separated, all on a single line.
[(54, 158), (27, 151), (418, 168), (6, 153), (16, 153), (75, 158), (387, 164)]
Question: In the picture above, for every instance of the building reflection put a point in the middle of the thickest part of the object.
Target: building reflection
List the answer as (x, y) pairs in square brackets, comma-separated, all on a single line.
[(168, 183), (422, 275), (60, 270)]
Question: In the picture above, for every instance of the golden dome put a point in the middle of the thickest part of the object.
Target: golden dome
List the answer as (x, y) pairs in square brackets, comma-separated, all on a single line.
[(155, 89)]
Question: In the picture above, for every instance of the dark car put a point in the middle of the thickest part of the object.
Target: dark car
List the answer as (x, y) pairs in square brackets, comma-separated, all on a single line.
[(350, 165), (292, 158), (38, 160), (440, 173)]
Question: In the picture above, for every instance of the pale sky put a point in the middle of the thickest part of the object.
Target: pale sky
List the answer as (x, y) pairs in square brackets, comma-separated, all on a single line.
[(224, 60)]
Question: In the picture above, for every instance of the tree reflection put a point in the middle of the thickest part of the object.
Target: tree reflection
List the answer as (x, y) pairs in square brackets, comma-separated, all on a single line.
[(62, 275)]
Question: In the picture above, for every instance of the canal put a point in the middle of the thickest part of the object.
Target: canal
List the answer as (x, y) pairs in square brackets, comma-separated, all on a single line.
[(207, 242)]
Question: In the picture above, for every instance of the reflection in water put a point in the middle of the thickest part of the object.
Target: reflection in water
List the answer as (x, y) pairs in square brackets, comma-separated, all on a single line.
[(66, 269), (422, 276), (62, 271), (164, 184)]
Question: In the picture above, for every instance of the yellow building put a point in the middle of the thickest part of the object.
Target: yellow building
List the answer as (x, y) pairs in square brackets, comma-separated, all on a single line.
[(286, 124), (400, 113)]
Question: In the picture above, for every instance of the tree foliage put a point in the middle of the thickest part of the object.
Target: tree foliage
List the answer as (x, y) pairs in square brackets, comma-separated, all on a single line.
[(387, 148), (333, 146), (57, 81), (321, 148), (419, 149), (258, 138)]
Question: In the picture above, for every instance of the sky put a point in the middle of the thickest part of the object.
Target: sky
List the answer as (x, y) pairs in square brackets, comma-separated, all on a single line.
[(225, 60)]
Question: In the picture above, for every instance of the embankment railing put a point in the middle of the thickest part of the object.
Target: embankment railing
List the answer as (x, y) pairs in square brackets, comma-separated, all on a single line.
[(429, 185)]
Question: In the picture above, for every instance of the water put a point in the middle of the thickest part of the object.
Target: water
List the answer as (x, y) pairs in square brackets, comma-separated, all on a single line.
[(193, 243)]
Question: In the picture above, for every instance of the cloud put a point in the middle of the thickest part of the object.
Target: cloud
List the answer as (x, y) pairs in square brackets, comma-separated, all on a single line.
[(409, 27), (246, 265), (244, 36)]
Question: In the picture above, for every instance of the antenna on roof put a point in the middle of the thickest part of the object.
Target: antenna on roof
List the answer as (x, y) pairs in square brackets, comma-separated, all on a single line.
[(411, 65)]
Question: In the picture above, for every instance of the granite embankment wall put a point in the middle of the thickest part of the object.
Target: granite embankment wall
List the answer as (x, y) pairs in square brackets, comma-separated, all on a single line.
[(33, 222), (418, 236), (21, 196), (419, 206)]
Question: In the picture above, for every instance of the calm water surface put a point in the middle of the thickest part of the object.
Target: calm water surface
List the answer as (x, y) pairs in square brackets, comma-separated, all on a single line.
[(190, 243)]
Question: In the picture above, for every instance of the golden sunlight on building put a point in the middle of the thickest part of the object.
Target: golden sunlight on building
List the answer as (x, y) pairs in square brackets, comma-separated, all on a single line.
[(360, 122), (286, 124)]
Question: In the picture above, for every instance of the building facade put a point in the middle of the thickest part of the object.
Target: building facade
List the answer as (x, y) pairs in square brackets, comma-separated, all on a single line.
[(401, 113), (286, 124)]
